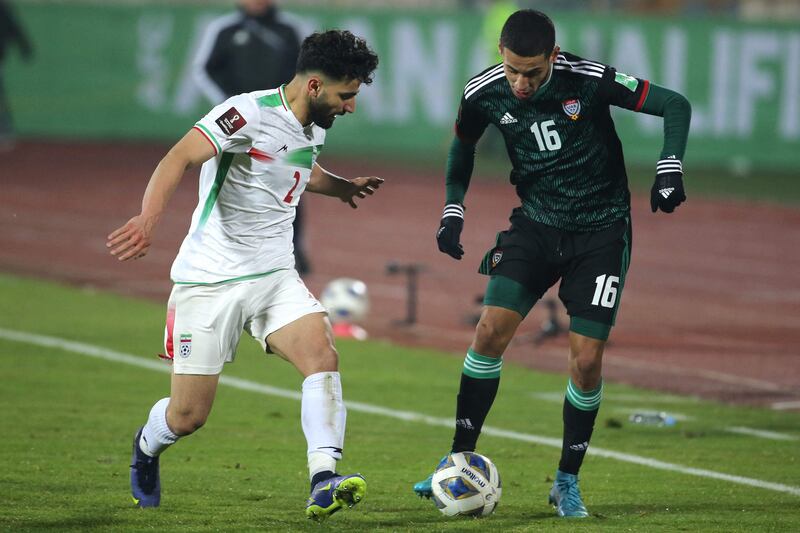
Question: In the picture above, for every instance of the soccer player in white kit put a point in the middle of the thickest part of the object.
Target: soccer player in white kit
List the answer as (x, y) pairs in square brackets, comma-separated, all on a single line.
[(235, 269)]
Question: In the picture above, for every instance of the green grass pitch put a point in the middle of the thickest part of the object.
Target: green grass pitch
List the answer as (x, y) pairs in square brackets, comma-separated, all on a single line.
[(68, 420)]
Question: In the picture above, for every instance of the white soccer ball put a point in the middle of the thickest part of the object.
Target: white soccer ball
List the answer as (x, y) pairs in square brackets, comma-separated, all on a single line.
[(346, 300), (466, 484)]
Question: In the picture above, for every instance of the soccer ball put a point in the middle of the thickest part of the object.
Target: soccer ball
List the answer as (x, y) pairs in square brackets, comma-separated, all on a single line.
[(346, 300), (467, 484)]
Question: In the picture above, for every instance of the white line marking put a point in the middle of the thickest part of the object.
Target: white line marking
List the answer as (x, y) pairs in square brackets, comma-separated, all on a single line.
[(558, 397), (408, 416), (762, 433)]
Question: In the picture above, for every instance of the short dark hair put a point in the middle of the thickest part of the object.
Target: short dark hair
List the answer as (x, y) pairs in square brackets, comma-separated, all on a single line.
[(528, 33), (338, 54)]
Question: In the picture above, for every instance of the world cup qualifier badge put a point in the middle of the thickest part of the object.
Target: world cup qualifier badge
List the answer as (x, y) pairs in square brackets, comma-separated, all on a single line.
[(497, 255), (572, 108), (185, 346), (231, 121)]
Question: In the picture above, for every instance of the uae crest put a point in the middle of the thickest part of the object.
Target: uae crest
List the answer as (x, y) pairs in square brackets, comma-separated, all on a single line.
[(496, 257), (572, 108)]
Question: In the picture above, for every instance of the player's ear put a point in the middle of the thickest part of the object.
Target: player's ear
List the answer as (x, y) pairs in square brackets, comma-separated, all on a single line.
[(554, 55), (314, 86)]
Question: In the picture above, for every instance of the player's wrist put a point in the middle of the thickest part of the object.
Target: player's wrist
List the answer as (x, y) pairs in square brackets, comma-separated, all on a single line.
[(454, 209), (669, 165)]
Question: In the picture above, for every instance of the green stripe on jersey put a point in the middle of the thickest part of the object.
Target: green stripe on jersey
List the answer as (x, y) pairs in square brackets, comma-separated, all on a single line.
[(231, 280), (303, 157), (219, 179), (210, 136), (270, 100)]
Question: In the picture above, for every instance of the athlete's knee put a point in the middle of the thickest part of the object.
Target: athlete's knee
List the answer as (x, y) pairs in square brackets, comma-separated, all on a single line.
[(318, 357), (327, 359), (492, 338), (185, 420), (586, 364)]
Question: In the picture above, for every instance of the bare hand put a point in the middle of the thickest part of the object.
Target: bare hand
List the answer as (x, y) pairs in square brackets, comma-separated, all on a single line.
[(132, 240), (361, 187)]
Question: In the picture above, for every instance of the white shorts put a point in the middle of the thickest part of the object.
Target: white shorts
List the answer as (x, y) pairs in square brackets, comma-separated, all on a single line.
[(205, 322)]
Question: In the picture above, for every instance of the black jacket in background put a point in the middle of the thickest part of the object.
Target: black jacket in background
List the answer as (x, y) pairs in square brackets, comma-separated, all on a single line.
[(241, 53)]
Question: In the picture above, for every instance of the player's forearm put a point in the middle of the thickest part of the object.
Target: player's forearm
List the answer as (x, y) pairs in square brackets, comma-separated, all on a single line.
[(460, 162), (324, 182), (192, 150), (677, 113), (162, 185)]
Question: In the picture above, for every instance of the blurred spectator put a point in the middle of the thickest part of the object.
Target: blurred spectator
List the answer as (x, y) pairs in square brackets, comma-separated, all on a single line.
[(252, 49), (11, 33), (497, 12)]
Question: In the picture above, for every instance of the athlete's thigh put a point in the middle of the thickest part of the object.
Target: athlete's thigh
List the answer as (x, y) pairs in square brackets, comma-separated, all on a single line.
[(192, 394), (592, 284), (521, 265), (282, 300), (307, 343), (204, 325)]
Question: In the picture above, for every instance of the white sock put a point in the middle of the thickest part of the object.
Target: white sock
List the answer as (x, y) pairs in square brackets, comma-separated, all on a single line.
[(320, 462), (323, 418), (156, 435)]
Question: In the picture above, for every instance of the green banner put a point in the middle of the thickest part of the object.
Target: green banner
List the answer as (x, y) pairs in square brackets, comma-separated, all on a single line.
[(125, 72)]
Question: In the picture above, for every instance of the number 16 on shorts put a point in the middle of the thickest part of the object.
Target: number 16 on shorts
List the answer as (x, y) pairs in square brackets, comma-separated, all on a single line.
[(605, 291)]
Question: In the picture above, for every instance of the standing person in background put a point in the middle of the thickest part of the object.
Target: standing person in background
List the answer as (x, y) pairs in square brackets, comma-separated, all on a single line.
[(235, 272), (245, 51), (573, 224), (11, 33)]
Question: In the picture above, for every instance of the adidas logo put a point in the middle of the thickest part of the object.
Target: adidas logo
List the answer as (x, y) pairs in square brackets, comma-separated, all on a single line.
[(507, 119), (582, 447), (465, 423), (666, 192)]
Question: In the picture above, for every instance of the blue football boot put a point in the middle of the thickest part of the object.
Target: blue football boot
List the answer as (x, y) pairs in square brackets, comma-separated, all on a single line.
[(565, 496), (330, 495), (423, 488), (145, 481)]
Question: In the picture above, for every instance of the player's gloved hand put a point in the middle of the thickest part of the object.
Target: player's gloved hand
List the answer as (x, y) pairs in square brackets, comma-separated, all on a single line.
[(667, 192), (449, 235)]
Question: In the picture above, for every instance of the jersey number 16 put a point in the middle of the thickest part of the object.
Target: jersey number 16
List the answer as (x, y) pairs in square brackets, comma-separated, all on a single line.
[(546, 138)]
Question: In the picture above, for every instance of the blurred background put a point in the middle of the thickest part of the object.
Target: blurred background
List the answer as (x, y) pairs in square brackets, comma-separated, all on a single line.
[(101, 89)]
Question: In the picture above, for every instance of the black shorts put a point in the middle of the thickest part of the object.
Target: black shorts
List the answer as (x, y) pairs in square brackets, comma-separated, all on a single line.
[(530, 257)]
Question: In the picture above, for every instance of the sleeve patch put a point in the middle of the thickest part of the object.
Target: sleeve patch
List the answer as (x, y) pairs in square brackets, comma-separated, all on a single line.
[(231, 121), (629, 82)]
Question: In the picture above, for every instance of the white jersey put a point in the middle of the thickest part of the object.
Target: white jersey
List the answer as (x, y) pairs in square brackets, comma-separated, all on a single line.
[(242, 226)]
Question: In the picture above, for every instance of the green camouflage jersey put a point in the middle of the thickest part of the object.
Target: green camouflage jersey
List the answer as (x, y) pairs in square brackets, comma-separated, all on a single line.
[(567, 160)]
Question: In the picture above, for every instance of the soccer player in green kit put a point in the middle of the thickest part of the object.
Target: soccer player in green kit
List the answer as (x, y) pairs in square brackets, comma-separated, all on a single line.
[(573, 223)]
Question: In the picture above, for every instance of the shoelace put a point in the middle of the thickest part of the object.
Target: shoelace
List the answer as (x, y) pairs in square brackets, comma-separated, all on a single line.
[(571, 493)]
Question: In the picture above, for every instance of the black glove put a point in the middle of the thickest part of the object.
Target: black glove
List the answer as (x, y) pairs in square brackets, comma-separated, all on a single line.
[(449, 235), (667, 192)]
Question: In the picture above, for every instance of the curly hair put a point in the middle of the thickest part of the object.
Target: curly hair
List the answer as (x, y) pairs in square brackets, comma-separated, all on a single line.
[(338, 54)]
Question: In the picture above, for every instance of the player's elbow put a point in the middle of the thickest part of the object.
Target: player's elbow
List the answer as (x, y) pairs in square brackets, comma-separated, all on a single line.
[(680, 104)]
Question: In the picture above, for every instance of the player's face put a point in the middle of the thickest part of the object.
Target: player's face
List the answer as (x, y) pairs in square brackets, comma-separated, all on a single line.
[(526, 74), (335, 98)]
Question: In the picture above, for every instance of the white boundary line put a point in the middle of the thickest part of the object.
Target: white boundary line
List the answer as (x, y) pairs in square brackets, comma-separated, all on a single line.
[(760, 433), (408, 416)]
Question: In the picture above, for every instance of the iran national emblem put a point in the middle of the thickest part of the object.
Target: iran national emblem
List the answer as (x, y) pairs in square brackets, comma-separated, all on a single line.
[(185, 346), (572, 108)]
